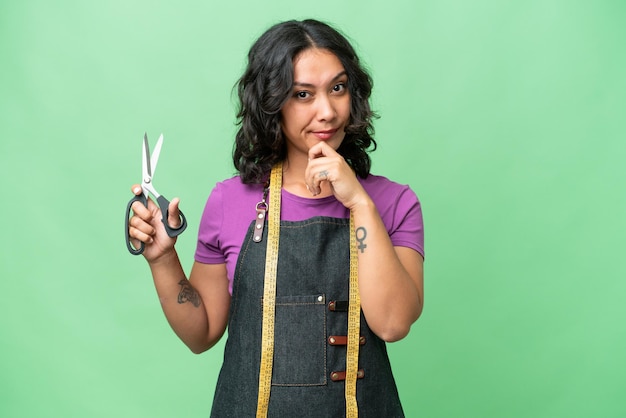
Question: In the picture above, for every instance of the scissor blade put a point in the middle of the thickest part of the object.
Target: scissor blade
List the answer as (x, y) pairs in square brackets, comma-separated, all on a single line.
[(155, 154), (145, 159)]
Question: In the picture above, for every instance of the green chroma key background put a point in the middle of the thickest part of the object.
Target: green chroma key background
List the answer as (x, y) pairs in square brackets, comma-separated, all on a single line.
[(507, 119)]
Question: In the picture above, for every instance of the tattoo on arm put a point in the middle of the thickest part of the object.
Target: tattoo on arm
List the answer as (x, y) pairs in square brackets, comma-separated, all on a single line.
[(361, 234), (188, 293)]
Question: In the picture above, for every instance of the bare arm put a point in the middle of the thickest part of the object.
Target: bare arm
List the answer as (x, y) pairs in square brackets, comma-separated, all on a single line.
[(390, 278), (196, 309)]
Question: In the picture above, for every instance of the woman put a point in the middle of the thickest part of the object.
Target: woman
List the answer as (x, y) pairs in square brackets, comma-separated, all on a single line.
[(305, 117)]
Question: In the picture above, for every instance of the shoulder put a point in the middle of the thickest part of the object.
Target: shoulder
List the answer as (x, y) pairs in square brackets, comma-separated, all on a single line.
[(399, 209), (235, 186), (233, 192), (231, 206), (385, 192), (232, 201)]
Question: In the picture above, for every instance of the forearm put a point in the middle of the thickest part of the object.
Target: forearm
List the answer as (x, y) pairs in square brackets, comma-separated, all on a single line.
[(391, 293), (181, 303)]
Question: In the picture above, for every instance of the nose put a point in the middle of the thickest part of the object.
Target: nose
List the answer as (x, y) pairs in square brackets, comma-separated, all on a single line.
[(325, 108)]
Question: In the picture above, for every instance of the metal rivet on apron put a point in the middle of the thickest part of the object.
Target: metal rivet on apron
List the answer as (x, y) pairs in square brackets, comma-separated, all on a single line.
[(320, 298), (261, 216), (257, 239), (259, 226), (332, 340)]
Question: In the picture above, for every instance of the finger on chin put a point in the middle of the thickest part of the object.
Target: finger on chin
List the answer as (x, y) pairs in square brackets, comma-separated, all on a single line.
[(318, 150)]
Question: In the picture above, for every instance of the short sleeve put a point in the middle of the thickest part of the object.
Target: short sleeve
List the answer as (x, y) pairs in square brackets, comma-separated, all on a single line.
[(407, 225), (209, 248)]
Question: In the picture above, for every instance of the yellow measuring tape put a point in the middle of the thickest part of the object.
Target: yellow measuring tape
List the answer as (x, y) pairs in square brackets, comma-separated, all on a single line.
[(269, 293), (354, 328), (269, 307)]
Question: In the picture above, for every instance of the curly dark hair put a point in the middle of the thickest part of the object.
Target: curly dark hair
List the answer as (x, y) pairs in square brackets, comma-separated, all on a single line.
[(267, 83)]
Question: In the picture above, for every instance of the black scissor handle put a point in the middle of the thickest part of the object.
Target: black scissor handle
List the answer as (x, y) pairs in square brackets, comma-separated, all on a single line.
[(144, 201), (164, 204)]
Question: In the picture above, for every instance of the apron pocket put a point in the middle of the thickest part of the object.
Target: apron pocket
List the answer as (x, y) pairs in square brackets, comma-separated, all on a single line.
[(300, 341)]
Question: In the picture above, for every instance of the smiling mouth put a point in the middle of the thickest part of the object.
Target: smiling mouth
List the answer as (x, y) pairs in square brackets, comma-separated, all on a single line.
[(326, 134)]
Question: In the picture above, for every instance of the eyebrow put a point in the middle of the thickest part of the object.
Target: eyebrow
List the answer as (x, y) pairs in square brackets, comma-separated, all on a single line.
[(300, 84)]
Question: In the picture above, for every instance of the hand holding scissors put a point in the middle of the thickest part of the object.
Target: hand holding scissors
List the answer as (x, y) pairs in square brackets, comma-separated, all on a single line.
[(149, 163)]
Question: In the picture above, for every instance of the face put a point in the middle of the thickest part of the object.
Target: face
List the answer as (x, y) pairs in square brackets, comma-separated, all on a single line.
[(319, 106)]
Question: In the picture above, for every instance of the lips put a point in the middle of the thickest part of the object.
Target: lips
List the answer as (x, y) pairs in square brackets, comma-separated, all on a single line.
[(325, 134)]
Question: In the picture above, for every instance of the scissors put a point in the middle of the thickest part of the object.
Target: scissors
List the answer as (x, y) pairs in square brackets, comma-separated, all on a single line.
[(148, 165)]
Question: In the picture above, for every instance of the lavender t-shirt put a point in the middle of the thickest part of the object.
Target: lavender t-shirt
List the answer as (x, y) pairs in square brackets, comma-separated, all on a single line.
[(231, 207)]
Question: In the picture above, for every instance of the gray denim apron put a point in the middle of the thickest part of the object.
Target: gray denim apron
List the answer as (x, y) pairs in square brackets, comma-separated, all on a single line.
[(310, 325)]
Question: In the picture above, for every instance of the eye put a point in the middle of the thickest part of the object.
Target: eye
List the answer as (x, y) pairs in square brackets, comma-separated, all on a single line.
[(339, 87), (302, 94)]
